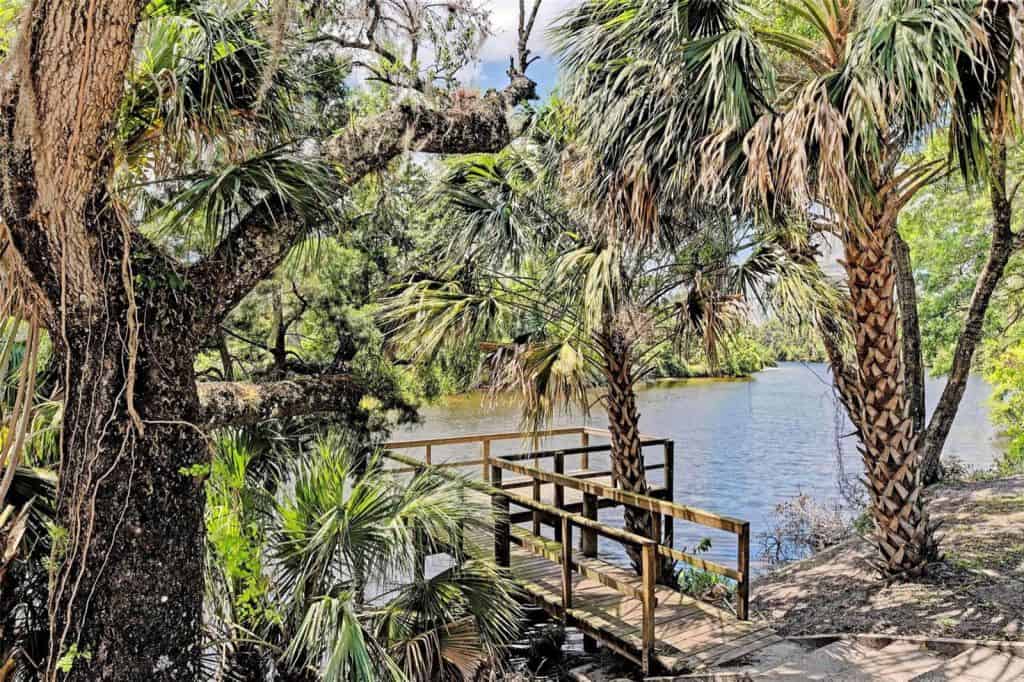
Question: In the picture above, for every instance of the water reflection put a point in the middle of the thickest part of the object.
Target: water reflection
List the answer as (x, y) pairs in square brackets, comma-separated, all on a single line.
[(742, 447)]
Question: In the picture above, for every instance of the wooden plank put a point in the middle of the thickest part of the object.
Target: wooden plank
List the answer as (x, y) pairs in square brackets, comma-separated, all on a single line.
[(668, 595), (697, 562), (588, 538), (559, 501), (702, 635), (485, 458), (567, 564), (613, 577), (738, 648), (435, 465), (547, 454), (743, 583), (735, 648)]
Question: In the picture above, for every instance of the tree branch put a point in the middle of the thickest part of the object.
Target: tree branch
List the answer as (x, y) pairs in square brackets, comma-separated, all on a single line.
[(246, 256), (468, 125), (257, 245), (1003, 245), (239, 403), (910, 338)]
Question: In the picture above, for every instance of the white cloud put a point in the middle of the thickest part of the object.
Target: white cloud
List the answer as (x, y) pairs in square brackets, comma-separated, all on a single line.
[(505, 24)]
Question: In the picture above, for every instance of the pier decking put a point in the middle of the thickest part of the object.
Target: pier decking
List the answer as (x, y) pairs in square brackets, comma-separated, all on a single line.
[(654, 625)]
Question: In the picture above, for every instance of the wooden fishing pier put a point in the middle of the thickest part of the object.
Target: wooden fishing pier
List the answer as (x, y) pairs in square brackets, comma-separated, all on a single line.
[(652, 624)]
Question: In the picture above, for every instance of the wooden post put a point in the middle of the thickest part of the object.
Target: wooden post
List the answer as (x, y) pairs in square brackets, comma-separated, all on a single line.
[(566, 567), (670, 489), (502, 531), (485, 453), (559, 497), (743, 563), (428, 457), (584, 443), (536, 514), (588, 547), (649, 564), (588, 536)]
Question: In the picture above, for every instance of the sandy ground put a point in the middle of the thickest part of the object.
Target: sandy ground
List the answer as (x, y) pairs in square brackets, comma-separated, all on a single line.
[(977, 592)]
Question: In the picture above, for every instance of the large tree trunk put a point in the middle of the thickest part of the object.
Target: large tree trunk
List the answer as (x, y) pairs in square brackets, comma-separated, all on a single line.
[(126, 598), (1003, 245), (888, 441)]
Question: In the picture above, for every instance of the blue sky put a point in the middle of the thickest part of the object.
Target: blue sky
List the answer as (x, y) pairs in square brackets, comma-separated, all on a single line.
[(497, 49), (544, 72)]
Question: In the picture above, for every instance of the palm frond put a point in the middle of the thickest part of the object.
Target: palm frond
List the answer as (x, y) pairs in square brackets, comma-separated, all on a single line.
[(209, 205), (426, 315), (547, 375)]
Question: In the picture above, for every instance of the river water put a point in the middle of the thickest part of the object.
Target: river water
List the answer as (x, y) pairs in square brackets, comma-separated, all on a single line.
[(742, 446)]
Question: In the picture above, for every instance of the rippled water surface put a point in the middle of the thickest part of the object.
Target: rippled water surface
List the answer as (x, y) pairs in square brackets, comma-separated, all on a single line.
[(742, 447)]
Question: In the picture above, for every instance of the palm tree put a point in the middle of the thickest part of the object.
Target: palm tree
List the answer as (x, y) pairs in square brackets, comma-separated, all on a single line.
[(346, 536), (689, 98), (571, 313), (325, 581)]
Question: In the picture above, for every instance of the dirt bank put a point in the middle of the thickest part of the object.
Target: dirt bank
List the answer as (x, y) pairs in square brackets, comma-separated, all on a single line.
[(977, 592)]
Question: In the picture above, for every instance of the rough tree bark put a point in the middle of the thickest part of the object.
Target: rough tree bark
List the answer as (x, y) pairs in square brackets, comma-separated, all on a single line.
[(889, 444), (127, 590)]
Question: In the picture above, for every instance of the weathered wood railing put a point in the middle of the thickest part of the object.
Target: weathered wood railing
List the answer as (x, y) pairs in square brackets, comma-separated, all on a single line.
[(664, 512), (486, 440), (594, 494), (502, 499)]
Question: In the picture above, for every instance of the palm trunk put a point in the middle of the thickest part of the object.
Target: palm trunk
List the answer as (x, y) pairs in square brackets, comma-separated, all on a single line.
[(889, 444), (624, 424)]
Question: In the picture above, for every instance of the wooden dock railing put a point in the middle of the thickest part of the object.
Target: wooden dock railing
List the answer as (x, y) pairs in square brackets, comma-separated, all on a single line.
[(485, 440), (664, 511), (595, 494), (501, 500)]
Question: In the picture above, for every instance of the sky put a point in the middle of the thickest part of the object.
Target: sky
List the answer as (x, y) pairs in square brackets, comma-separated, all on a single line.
[(497, 49)]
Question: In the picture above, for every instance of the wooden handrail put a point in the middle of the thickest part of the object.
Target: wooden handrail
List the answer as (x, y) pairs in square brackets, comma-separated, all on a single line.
[(609, 532), (677, 511), (589, 450), (479, 438), (697, 562), (580, 474)]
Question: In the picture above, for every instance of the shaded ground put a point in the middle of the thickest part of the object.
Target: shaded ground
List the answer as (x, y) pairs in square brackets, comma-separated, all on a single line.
[(977, 592)]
